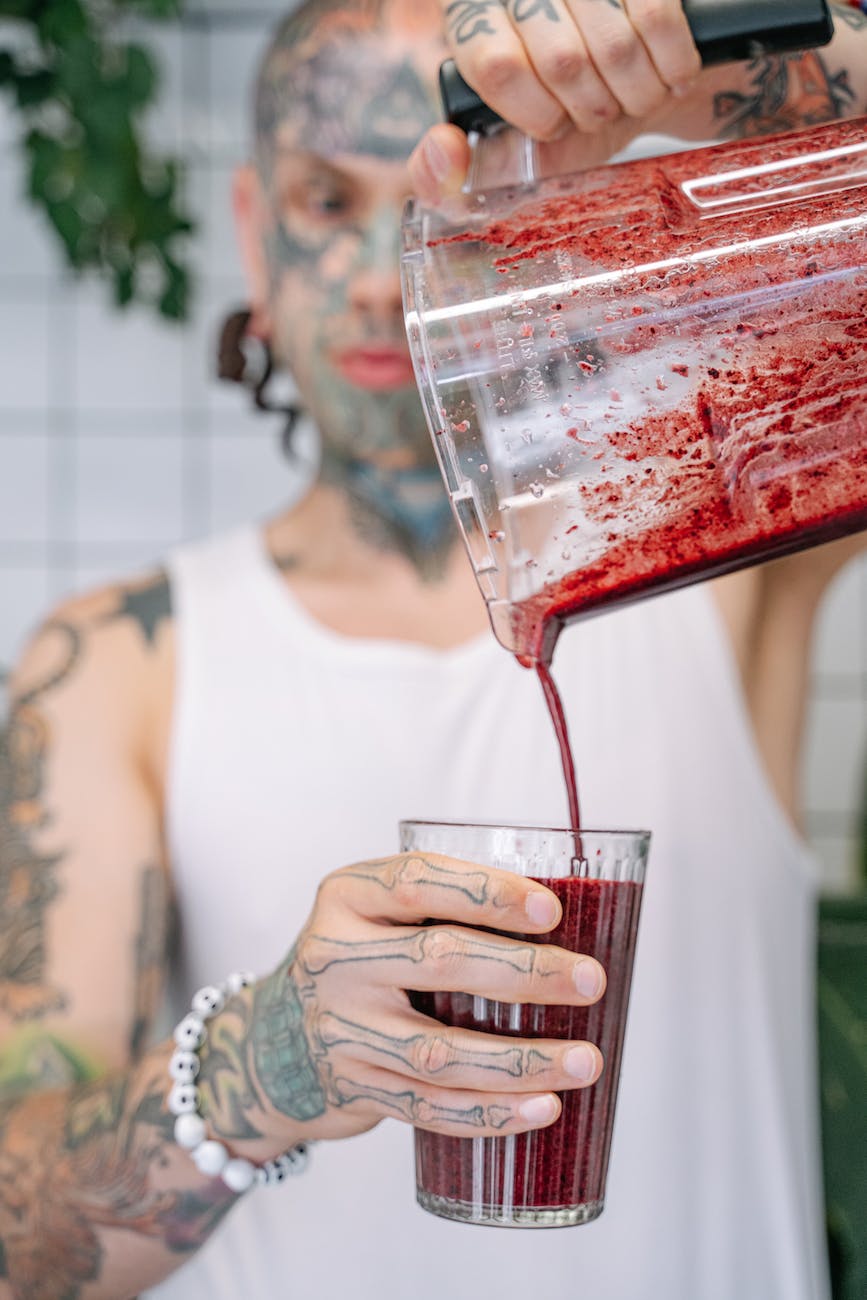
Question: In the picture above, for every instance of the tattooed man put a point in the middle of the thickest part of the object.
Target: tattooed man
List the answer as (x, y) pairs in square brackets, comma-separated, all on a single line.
[(190, 761)]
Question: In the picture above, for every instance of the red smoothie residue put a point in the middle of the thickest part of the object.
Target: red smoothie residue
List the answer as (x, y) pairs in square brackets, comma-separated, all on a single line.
[(745, 310), (766, 460)]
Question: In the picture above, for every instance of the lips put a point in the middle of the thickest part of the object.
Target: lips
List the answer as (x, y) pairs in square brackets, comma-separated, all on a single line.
[(378, 369)]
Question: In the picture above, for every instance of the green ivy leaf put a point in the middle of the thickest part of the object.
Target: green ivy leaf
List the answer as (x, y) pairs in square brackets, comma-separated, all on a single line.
[(21, 9), (124, 285), (175, 299), (67, 221), (62, 21), (141, 80), (154, 8), (103, 180), (8, 69), (114, 206), (46, 160), (33, 88)]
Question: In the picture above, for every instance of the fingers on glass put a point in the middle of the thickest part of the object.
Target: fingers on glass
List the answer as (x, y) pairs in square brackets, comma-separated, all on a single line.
[(412, 887)]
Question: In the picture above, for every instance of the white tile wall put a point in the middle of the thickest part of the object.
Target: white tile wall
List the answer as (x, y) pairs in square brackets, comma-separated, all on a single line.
[(25, 243), (248, 477), (147, 359), (166, 120), (129, 488), (233, 56), (116, 442), (25, 369), (835, 728), (218, 232), (24, 595), (24, 486)]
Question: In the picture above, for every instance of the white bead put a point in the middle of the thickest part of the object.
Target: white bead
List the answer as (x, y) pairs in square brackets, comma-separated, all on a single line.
[(239, 1175), (210, 1158), (184, 1099), (184, 1066), (189, 1130), (190, 1033), (298, 1157), (208, 1002), (291, 1162)]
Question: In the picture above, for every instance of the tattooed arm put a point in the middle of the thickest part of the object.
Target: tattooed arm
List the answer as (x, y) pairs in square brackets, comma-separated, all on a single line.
[(96, 1200), (85, 1143), (590, 77)]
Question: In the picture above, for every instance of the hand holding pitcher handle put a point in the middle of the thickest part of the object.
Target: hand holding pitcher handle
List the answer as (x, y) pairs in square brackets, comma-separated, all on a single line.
[(722, 33), (589, 75)]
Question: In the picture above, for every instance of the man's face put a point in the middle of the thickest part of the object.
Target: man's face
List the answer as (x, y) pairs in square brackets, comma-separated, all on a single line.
[(338, 119)]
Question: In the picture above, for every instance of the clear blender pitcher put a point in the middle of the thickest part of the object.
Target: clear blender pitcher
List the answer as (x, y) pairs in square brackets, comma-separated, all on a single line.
[(649, 373)]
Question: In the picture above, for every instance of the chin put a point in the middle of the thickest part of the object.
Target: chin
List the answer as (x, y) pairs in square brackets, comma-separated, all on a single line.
[(385, 430)]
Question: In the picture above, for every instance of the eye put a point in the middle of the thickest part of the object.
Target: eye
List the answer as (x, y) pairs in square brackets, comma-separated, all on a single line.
[(335, 200), (325, 200), (329, 204)]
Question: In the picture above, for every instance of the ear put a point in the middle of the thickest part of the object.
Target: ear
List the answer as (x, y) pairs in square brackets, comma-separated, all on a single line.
[(251, 219)]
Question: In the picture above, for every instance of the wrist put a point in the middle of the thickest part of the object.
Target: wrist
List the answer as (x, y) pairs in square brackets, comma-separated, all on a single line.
[(219, 1116), (280, 1065)]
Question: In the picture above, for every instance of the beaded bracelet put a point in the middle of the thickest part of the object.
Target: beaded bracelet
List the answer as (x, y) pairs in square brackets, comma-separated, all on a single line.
[(859, 4), (212, 1157)]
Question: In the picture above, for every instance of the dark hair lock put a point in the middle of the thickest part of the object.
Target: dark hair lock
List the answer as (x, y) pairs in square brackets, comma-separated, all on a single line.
[(246, 360)]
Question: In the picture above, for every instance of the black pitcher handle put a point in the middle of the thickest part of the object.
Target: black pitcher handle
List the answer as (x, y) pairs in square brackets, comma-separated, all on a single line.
[(725, 31)]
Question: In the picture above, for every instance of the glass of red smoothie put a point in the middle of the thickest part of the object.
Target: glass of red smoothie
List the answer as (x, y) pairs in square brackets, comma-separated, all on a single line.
[(552, 1177)]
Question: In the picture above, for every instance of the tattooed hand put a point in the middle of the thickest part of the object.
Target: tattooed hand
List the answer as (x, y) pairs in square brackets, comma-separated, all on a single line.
[(586, 72), (550, 65), (333, 1043), (587, 76)]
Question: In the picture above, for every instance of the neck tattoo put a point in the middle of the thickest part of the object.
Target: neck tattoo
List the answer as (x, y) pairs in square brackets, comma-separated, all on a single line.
[(403, 511)]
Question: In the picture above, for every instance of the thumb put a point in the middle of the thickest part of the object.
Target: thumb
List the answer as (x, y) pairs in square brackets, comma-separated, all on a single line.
[(438, 166)]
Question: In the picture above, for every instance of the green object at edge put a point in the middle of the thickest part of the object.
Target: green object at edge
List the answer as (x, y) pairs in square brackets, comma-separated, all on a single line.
[(842, 1006)]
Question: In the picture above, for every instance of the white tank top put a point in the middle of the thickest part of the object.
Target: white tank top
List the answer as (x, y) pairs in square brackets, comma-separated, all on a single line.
[(297, 750)]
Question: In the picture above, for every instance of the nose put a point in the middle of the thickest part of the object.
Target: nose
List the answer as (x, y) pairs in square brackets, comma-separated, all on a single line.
[(374, 289)]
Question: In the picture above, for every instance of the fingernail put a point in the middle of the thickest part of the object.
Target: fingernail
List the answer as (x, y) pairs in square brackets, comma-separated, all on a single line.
[(589, 978), (538, 1110), (438, 162), (580, 1062), (542, 908)]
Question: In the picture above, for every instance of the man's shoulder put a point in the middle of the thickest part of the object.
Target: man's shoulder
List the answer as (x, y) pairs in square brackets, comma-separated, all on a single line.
[(107, 646), (104, 659)]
